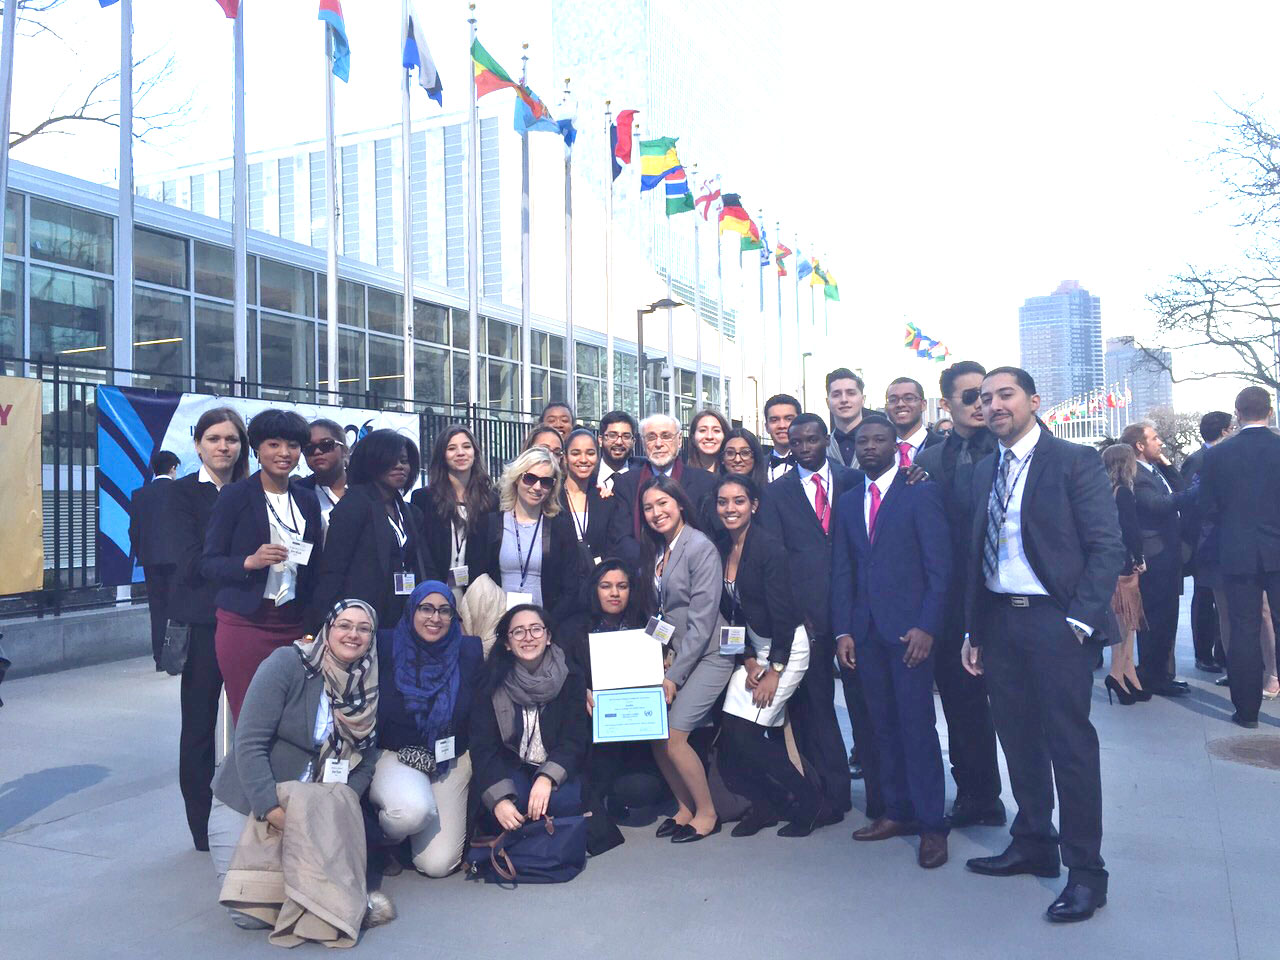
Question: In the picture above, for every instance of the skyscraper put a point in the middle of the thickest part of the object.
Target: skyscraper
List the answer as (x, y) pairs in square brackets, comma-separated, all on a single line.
[(1148, 377), (1061, 342)]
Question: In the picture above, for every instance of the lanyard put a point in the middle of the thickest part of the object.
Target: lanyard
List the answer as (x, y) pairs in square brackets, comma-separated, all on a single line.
[(586, 518), (1008, 495), (528, 557), (397, 524), (735, 608), (459, 538), (324, 492), (292, 515)]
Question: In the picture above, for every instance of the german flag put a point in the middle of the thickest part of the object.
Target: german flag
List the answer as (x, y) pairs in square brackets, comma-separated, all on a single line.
[(490, 77), (733, 216)]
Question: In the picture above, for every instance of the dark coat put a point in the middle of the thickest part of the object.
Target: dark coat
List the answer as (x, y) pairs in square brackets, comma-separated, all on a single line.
[(600, 512), (237, 528), (396, 727), (763, 583), (438, 537), (900, 580), (628, 520), (564, 565), (1161, 525), (1130, 529), (191, 598), (149, 534), (1240, 489)]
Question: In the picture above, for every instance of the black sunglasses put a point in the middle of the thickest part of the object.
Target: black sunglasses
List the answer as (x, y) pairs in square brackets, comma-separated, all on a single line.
[(970, 397), (321, 446), (547, 483)]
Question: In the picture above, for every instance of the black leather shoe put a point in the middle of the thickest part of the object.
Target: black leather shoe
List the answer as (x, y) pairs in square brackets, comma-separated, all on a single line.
[(1012, 864), (1208, 666), (827, 817), (666, 828), (1180, 684), (1240, 721), (967, 813), (1222, 681), (752, 823), (855, 771), (1077, 902), (689, 833), (1167, 688)]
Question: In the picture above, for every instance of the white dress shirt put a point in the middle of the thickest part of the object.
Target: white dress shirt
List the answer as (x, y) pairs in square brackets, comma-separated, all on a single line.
[(916, 440), (811, 489), (605, 475), (205, 476), (884, 481), (1013, 573)]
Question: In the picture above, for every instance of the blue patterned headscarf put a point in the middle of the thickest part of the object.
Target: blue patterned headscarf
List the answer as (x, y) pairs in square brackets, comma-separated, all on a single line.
[(426, 674)]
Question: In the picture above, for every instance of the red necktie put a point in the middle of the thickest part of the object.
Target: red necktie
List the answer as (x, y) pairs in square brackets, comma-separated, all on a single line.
[(871, 514), (820, 504), (904, 458)]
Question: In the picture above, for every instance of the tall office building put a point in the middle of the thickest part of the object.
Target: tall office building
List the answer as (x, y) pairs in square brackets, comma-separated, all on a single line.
[(1061, 342), (1148, 377)]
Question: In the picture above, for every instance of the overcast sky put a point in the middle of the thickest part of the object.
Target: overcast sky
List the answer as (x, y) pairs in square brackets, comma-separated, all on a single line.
[(954, 159)]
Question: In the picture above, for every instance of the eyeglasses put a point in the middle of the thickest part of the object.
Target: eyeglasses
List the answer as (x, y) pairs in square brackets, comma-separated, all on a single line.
[(359, 629), (535, 632), (664, 437), (970, 397), (326, 445), (531, 481), (739, 455), (903, 400), (618, 437), (445, 612)]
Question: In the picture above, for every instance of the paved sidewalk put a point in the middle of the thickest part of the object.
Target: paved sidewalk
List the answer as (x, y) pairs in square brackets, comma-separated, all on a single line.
[(96, 861)]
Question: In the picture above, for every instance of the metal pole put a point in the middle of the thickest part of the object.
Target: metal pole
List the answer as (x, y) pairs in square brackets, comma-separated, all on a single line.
[(571, 359), (782, 381), (697, 312), (804, 371), (406, 216), (671, 328), (331, 186), (8, 37), (737, 337), (122, 327), (608, 267), (724, 400), (526, 364), (473, 256), (640, 362), (240, 212)]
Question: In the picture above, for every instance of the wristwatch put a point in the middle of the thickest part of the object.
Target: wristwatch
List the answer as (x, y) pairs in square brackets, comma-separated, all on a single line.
[(778, 667)]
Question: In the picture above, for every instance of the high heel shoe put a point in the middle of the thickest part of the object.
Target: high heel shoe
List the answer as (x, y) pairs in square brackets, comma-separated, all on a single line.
[(1122, 693), (1140, 694)]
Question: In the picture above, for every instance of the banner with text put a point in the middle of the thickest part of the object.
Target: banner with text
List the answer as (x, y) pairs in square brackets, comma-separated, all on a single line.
[(21, 533)]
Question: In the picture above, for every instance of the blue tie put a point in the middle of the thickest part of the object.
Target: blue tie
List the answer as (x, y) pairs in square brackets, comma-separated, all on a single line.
[(995, 516)]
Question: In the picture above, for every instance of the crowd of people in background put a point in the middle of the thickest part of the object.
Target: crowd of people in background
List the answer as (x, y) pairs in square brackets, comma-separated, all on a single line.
[(413, 640)]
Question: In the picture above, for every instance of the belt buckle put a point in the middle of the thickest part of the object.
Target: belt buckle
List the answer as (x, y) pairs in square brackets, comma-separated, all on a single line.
[(1020, 601)]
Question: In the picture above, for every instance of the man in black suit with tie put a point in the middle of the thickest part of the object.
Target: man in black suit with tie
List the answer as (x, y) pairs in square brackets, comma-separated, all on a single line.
[(1215, 426), (152, 544), (797, 509), (780, 411), (618, 434), (1044, 556), (1240, 488)]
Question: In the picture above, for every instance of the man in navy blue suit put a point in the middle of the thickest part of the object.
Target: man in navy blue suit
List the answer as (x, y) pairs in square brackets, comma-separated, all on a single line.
[(889, 576)]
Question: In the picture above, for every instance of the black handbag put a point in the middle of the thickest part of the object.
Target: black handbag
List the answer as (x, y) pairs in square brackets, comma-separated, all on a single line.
[(177, 641), (419, 758)]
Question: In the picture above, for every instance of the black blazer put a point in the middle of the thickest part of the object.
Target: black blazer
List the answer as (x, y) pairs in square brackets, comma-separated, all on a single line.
[(1240, 489), (1070, 531), (600, 511), (627, 520), (785, 512), (358, 556), (1158, 518), (149, 534), (191, 599), (237, 528), (564, 565), (438, 539), (767, 604), (1130, 529)]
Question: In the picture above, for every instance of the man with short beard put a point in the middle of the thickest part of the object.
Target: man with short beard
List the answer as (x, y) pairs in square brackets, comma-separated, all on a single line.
[(617, 448)]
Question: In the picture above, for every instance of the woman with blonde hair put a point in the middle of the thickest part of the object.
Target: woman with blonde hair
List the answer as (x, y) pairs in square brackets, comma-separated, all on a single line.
[(1126, 604)]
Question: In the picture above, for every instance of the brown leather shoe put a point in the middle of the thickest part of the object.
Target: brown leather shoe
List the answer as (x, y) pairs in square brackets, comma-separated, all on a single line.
[(882, 828), (933, 850)]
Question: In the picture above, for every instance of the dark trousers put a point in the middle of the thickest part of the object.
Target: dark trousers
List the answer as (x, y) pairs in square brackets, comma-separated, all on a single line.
[(1204, 622), (1040, 680), (760, 769), (812, 710), (900, 699), (1160, 603), (625, 771), (864, 739), (201, 685), (158, 580), (971, 734), (1244, 652)]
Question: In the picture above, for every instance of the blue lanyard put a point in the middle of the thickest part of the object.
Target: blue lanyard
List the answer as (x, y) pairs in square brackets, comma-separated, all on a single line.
[(528, 557)]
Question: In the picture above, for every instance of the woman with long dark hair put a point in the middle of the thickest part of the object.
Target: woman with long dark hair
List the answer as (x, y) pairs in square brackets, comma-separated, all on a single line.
[(375, 550), (707, 432), (742, 454), (586, 506), (1126, 604), (222, 444), (453, 504)]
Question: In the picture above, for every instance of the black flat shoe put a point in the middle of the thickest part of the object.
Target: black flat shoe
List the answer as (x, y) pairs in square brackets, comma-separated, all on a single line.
[(1240, 721), (752, 824), (667, 827), (965, 813), (1167, 688), (1208, 666), (1076, 903), (689, 833), (1013, 864)]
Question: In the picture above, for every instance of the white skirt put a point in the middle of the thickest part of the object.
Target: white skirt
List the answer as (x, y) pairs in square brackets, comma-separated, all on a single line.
[(737, 699)]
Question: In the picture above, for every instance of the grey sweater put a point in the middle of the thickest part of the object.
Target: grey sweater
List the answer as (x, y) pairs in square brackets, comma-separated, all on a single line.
[(274, 738)]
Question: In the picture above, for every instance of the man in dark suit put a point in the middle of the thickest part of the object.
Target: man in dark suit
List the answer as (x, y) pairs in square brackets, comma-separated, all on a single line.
[(617, 434), (971, 735), (1215, 427), (889, 576), (1240, 487), (797, 509), (152, 543), (1043, 559), (1156, 489)]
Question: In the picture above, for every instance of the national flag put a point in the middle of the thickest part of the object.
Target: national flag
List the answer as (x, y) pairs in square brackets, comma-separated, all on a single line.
[(803, 267), (490, 77), (819, 275), (532, 114), (107, 3), (613, 151), (709, 194), (679, 199), (766, 254), (657, 159), (625, 133), (229, 7), (1128, 396), (832, 292), (733, 216), (331, 14), (417, 55), (780, 254)]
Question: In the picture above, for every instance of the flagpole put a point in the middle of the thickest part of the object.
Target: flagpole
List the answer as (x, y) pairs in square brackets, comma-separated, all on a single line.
[(240, 216), (671, 324), (608, 264), (123, 326), (777, 239), (697, 307), (8, 38), (742, 351), (473, 266), (571, 360), (799, 349), (331, 185), (724, 400), (526, 369), (406, 213)]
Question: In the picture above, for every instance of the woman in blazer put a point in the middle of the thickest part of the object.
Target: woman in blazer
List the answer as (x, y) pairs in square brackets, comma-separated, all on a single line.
[(687, 576), (222, 444), (529, 730), (585, 505), (757, 598), (262, 593), (455, 501), (327, 456), (375, 550)]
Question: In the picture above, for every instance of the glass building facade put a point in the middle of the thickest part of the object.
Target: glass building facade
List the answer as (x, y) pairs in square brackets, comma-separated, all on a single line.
[(1060, 339)]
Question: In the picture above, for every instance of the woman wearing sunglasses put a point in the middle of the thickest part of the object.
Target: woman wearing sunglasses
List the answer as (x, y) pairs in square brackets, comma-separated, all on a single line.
[(326, 454), (430, 677), (532, 547)]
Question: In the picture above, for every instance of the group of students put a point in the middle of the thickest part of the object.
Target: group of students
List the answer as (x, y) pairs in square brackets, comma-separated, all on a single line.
[(431, 649)]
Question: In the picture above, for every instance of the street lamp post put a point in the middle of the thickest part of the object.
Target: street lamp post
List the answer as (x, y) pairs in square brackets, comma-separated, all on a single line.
[(666, 303), (755, 386), (804, 378)]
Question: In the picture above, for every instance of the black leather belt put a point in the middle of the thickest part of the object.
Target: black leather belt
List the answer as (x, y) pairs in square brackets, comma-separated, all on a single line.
[(1021, 602)]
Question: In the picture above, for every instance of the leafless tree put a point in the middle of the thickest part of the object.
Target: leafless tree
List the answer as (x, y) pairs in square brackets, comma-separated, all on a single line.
[(1179, 430)]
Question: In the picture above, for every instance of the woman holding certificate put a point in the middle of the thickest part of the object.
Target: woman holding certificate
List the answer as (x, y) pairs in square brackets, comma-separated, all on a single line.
[(756, 602), (687, 577)]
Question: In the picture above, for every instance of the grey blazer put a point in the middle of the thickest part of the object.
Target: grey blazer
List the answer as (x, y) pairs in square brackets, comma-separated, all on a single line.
[(692, 582), (274, 738)]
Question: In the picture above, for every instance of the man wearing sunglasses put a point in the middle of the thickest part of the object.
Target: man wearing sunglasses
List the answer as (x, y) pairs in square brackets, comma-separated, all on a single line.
[(970, 732)]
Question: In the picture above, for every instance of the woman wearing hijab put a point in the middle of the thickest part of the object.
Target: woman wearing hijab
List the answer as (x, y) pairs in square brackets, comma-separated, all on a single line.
[(430, 676), (309, 715), (529, 730)]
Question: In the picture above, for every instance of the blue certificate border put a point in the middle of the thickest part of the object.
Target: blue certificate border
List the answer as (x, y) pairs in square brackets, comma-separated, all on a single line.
[(602, 703)]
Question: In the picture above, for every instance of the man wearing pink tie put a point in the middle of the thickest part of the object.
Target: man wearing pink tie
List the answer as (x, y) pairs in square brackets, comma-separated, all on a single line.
[(904, 404)]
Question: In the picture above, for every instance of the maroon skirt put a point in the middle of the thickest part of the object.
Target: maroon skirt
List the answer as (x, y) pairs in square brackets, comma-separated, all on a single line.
[(242, 643)]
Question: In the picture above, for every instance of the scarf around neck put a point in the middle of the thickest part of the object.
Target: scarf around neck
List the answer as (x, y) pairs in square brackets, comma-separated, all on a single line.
[(352, 688), (522, 688)]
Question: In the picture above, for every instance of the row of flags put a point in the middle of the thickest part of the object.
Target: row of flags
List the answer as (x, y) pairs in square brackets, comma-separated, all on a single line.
[(924, 346), (1080, 408)]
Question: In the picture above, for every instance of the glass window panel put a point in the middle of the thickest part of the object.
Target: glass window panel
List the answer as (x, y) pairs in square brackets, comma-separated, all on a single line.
[(431, 322), (590, 361), (502, 381), (538, 350), (13, 224), (351, 303), (11, 314), (588, 400), (503, 339), (159, 258), (215, 272), (431, 375), (288, 352), (559, 387), (385, 311), (461, 378), (160, 342), (70, 317), (462, 329), (557, 352), (350, 362), (288, 289), (539, 388), (386, 366), (66, 235), (215, 352)]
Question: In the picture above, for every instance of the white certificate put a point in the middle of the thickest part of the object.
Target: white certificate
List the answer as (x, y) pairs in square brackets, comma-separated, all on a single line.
[(625, 658)]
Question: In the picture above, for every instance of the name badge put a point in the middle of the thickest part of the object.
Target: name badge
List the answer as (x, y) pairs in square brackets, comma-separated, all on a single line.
[(336, 771), (514, 599), (404, 583), (733, 641), (659, 628), (300, 553), (459, 576), (444, 749)]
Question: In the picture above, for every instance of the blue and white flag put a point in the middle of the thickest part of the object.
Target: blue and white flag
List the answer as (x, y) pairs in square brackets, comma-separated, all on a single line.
[(416, 54)]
